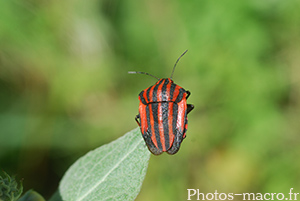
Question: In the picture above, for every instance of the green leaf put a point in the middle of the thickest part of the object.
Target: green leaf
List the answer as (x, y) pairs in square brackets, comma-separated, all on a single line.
[(56, 196), (31, 195), (114, 171)]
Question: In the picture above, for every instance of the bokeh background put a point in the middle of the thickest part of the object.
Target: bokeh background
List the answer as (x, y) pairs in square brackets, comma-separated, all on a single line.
[(64, 89)]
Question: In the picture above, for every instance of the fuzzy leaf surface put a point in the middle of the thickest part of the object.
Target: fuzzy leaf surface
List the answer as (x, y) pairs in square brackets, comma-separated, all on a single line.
[(114, 171)]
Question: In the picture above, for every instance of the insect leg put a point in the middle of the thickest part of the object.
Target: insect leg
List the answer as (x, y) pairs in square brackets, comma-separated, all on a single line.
[(137, 117), (190, 107), (188, 94), (185, 127)]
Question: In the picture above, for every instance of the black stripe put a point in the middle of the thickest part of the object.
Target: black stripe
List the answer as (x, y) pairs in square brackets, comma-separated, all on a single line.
[(172, 89), (154, 94), (178, 135), (174, 123), (148, 128), (147, 94), (142, 97), (164, 95), (180, 95), (156, 129), (165, 113), (148, 134)]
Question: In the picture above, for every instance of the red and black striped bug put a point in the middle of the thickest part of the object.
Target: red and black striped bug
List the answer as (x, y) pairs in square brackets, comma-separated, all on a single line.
[(163, 113)]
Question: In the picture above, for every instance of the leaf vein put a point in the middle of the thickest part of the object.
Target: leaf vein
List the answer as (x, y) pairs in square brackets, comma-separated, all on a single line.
[(111, 170)]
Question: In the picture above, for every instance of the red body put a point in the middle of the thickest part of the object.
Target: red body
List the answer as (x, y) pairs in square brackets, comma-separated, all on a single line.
[(163, 116)]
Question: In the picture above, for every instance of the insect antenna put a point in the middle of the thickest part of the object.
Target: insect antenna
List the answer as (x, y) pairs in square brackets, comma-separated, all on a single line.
[(138, 72), (176, 63)]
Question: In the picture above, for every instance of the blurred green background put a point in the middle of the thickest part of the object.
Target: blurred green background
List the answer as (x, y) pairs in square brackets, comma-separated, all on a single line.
[(64, 89)]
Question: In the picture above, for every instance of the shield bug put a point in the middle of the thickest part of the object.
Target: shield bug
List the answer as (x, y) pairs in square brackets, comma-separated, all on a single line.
[(163, 113)]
